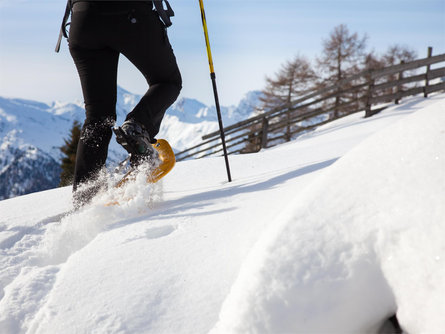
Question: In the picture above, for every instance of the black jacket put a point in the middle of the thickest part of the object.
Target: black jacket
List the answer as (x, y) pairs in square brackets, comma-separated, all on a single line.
[(164, 13)]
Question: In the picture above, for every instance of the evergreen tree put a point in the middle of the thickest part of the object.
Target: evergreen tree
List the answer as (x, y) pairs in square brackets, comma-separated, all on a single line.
[(69, 155)]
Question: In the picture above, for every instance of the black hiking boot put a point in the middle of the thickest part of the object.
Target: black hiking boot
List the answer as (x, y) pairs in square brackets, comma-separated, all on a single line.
[(137, 142)]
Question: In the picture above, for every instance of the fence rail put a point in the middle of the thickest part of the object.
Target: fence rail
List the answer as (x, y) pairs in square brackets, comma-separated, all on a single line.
[(369, 88)]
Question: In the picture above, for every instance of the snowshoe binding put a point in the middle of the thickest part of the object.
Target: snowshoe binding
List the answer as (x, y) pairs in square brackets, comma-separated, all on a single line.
[(141, 148), (137, 142)]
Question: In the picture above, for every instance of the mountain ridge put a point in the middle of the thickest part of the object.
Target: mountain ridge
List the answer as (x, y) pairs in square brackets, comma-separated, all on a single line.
[(32, 126)]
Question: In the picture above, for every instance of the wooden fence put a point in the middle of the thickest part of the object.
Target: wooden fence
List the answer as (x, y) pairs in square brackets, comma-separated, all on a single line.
[(369, 90)]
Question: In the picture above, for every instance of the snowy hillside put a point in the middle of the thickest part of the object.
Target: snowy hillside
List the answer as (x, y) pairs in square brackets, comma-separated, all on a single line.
[(33, 126), (333, 232)]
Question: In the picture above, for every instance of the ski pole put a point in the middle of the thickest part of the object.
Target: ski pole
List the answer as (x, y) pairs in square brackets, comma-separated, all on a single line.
[(215, 91)]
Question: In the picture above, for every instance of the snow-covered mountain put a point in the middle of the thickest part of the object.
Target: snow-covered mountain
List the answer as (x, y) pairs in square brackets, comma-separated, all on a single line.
[(31, 133), (30, 136)]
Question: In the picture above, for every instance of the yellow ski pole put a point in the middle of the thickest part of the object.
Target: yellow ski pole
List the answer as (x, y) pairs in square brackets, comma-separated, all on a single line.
[(215, 91)]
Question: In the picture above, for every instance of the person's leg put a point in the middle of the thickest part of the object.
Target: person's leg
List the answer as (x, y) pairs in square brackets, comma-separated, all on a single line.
[(97, 68), (148, 48)]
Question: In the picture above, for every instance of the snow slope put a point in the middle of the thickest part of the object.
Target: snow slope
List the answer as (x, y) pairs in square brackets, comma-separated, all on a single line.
[(332, 232)]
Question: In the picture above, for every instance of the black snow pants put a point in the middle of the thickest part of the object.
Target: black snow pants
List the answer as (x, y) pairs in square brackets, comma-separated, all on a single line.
[(99, 33)]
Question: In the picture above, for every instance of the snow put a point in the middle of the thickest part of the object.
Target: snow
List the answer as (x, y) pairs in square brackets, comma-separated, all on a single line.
[(333, 232), (373, 241)]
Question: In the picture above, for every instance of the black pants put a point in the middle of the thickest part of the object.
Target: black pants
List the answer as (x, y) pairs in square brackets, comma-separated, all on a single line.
[(99, 33)]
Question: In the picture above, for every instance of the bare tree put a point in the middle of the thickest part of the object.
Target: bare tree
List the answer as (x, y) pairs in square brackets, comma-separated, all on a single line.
[(373, 62), (397, 54), (342, 55), (294, 79)]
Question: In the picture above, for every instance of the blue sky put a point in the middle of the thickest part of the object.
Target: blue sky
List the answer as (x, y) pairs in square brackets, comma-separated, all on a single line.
[(250, 39)]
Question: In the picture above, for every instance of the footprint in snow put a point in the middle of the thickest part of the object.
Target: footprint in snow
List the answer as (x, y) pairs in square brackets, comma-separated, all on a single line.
[(159, 232)]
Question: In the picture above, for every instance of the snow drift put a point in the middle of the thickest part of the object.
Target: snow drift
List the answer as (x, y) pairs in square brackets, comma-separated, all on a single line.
[(363, 242)]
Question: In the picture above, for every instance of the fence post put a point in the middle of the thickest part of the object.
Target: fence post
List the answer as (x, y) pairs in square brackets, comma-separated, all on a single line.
[(368, 112), (428, 68), (399, 86), (337, 104), (264, 132), (288, 125)]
